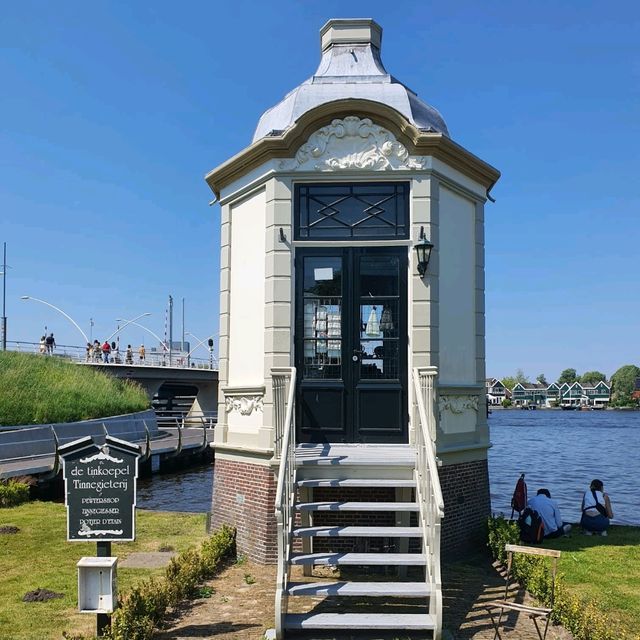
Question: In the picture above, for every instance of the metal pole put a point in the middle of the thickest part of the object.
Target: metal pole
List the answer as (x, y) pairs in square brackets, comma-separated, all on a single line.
[(66, 315), (103, 620), (3, 328), (170, 331), (90, 329), (182, 343)]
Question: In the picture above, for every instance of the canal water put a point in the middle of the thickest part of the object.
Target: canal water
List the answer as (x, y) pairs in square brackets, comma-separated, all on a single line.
[(563, 451), (185, 490), (560, 450)]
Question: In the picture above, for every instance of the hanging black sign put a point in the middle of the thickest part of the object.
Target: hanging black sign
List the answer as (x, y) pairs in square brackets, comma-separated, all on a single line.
[(100, 489)]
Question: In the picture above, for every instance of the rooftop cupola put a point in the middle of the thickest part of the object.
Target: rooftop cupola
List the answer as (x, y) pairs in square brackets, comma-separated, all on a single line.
[(350, 67)]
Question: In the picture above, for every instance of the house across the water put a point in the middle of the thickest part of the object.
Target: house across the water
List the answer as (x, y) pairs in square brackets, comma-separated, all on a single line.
[(576, 394), (352, 425), (496, 391)]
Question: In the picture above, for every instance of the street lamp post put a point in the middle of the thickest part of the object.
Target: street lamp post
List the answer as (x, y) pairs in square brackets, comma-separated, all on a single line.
[(126, 322), (66, 315), (155, 335), (3, 327)]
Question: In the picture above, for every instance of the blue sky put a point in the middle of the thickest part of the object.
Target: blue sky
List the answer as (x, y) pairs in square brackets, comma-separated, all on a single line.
[(112, 112)]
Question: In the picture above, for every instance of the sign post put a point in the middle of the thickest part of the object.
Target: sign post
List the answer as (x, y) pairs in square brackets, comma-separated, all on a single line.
[(100, 496)]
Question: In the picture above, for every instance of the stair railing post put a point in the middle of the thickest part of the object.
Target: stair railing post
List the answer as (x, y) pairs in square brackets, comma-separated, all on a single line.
[(428, 491), (284, 382)]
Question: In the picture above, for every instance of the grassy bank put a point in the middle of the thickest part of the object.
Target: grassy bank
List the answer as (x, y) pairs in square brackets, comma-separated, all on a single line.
[(605, 571), (39, 556), (601, 576), (38, 389)]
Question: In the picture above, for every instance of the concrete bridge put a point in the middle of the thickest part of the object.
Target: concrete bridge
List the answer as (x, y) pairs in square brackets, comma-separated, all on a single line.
[(170, 383)]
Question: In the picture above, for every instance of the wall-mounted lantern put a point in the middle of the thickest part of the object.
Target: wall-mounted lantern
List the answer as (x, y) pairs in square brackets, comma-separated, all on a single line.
[(423, 252)]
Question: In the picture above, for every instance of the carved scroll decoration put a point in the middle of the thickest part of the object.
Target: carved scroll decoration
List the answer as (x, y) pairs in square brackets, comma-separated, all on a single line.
[(352, 143), (458, 404), (245, 405)]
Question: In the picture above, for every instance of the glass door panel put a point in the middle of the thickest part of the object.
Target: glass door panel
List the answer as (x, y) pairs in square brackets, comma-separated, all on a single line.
[(351, 344)]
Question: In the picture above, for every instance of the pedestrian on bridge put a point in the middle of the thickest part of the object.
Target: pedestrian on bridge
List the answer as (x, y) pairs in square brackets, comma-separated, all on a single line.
[(50, 343), (43, 345), (97, 351), (106, 351), (129, 355), (141, 353)]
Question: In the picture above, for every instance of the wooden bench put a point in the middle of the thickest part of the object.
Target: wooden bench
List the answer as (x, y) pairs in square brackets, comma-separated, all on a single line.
[(537, 614)]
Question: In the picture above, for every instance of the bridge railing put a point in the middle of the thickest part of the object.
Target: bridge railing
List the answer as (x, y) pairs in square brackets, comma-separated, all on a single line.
[(181, 419), (151, 359)]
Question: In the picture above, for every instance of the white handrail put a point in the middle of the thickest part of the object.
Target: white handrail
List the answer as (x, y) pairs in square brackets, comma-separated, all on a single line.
[(284, 452), (429, 492)]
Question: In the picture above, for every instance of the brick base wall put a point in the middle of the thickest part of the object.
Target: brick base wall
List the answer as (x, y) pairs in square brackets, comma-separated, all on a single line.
[(467, 505), (244, 497)]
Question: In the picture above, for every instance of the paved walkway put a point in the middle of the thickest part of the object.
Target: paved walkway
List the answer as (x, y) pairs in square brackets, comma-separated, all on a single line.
[(241, 607)]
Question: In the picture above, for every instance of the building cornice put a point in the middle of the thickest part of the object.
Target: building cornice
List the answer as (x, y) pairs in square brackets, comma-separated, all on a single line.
[(287, 143)]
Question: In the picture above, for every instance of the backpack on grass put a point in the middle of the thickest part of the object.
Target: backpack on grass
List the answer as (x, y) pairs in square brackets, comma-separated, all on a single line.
[(531, 526)]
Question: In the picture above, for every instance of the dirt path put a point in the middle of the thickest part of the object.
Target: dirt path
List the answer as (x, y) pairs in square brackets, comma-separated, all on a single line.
[(241, 606)]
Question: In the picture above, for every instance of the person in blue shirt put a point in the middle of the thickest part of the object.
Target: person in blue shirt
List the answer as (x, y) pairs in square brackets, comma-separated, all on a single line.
[(549, 511)]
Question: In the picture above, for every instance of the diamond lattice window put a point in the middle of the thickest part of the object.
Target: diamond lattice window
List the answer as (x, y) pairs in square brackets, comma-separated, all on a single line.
[(376, 211)]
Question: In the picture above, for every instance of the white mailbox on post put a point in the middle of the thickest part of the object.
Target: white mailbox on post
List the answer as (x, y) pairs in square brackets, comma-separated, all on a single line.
[(97, 584)]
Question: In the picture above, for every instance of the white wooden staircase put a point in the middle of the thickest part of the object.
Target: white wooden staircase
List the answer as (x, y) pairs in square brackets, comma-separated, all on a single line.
[(379, 506)]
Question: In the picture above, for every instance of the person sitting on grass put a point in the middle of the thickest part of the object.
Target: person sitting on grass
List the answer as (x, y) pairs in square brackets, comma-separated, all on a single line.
[(596, 510), (549, 511)]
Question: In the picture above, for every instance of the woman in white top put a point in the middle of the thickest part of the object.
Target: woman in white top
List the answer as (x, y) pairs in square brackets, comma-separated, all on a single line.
[(596, 510)]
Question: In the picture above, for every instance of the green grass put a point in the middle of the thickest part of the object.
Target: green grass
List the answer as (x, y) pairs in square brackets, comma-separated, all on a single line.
[(605, 571), (40, 556), (38, 389)]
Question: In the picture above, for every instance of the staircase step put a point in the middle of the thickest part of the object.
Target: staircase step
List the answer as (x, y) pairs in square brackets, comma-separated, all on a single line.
[(399, 589), (359, 559), (357, 506), (356, 483), (358, 532), (405, 621)]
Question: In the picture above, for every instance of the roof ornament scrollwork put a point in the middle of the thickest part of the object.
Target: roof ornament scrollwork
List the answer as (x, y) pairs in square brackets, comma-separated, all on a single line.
[(352, 143)]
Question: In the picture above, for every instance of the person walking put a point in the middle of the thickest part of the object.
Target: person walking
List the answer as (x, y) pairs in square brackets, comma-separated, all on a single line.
[(97, 351), (141, 353), (89, 351), (596, 510), (106, 351), (43, 345), (50, 343), (129, 355), (115, 350)]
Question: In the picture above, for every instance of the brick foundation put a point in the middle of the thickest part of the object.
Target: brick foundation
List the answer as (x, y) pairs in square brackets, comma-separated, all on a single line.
[(467, 505), (244, 497)]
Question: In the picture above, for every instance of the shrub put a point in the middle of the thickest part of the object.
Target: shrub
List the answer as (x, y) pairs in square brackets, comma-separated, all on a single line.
[(581, 618), (506, 403), (13, 493), (144, 606)]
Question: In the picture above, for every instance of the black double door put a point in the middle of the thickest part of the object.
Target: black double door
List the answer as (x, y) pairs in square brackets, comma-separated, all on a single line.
[(351, 344)]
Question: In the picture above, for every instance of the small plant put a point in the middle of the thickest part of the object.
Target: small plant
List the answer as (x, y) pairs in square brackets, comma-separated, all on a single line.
[(165, 548), (13, 493), (249, 579), (224, 599), (205, 592), (241, 559)]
